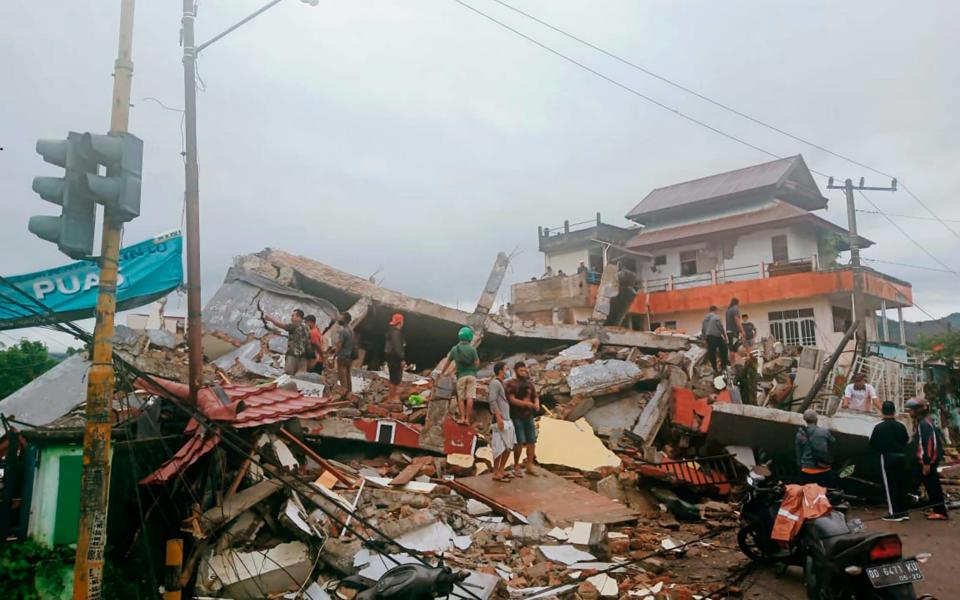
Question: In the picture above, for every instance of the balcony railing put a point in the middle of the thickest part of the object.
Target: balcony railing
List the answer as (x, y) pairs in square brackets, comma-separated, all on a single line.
[(760, 270)]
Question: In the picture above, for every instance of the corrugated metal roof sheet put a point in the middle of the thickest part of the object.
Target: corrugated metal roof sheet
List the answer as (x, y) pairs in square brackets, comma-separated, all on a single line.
[(716, 186), (778, 212)]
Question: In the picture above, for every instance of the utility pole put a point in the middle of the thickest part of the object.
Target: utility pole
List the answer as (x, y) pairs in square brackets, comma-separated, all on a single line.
[(192, 188), (95, 480), (192, 200), (859, 303)]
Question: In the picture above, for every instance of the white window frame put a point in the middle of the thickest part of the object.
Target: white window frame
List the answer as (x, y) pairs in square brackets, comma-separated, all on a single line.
[(792, 328)]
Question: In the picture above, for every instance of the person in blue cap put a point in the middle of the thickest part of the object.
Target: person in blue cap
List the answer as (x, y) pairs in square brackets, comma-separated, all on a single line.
[(467, 361)]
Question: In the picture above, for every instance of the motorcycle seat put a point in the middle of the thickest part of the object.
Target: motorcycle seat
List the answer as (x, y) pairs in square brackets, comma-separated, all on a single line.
[(837, 544)]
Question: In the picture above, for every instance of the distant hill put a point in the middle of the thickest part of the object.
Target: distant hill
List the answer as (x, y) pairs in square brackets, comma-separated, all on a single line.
[(915, 328)]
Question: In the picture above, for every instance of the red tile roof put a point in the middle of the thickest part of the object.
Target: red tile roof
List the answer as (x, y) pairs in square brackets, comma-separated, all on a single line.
[(246, 406)]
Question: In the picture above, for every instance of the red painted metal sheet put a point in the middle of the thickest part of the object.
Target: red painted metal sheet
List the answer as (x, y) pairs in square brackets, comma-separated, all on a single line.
[(560, 500), (202, 442)]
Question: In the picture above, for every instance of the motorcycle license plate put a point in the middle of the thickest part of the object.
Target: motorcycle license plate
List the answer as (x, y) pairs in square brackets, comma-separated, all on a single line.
[(895, 573)]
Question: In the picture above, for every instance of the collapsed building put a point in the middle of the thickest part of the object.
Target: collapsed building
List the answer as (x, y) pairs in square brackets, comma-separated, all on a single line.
[(284, 486)]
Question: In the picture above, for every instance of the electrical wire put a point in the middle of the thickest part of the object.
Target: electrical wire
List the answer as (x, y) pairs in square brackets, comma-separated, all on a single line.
[(692, 119), (620, 85), (729, 109), (900, 264), (908, 236), (902, 216)]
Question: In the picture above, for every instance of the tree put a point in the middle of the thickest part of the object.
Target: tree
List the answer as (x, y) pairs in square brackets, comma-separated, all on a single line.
[(945, 345), (22, 363)]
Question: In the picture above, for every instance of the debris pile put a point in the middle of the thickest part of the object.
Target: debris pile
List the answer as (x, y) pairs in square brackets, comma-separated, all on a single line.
[(291, 486)]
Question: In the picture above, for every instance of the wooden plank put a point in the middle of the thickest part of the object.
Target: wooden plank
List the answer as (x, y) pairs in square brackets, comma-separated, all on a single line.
[(316, 457), (560, 500), (407, 474)]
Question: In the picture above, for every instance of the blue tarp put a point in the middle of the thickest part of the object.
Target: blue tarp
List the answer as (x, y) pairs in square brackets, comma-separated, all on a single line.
[(148, 270)]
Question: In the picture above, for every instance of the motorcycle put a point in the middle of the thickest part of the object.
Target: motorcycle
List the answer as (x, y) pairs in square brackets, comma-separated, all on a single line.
[(408, 582), (840, 561)]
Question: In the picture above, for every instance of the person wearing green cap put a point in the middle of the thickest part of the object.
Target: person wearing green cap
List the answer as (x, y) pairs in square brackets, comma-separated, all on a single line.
[(465, 357)]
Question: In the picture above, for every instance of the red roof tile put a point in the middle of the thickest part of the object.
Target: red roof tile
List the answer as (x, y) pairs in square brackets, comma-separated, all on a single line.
[(248, 406)]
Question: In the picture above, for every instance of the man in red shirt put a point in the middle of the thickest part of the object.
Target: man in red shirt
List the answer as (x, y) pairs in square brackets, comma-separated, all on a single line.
[(316, 340)]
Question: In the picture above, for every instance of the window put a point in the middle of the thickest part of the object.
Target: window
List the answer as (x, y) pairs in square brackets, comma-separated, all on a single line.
[(659, 261), (794, 327), (842, 319), (671, 325), (386, 430), (779, 243), (655, 325), (628, 263), (688, 262)]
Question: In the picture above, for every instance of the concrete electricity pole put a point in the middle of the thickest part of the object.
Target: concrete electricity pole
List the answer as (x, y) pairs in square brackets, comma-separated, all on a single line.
[(859, 304), (192, 192), (95, 481)]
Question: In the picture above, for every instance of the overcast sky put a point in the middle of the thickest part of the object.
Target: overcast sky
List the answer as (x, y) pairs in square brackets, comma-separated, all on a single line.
[(416, 139)]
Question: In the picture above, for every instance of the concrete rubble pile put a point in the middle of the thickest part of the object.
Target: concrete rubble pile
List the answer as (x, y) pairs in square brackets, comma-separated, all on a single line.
[(629, 470)]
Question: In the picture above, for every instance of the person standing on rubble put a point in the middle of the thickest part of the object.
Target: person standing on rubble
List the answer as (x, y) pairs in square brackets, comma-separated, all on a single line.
[(299, 351), (860, 395), (345, 352), (713, 335), (813, 445), (524, 405), (394, 352), (749, 332), (735, 332), (467, 361), (928, 445), (502, 435), (889, 440), (318, 345)]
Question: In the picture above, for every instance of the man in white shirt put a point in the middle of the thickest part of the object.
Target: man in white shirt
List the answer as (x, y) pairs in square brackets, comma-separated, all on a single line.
[(861, 396)]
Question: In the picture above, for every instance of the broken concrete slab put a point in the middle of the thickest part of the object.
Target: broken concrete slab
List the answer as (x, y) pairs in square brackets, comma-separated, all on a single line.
[(603, 377), (654, 414), (572, 444), (775, 430), (254, 574), (616, 411), (565, 554)]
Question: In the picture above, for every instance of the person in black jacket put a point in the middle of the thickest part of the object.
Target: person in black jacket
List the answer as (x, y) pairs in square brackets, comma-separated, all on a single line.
[(929, 449), (394, 352), (889, 440)]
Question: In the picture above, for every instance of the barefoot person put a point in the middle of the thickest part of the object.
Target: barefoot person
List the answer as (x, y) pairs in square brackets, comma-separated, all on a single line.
[(524, 405), (502, 438)]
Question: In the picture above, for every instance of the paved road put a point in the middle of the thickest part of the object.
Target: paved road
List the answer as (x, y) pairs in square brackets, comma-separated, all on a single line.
[(941, 572)]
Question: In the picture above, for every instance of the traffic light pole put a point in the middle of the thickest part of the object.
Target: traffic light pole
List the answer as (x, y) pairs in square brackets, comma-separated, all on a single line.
[(192, 200), (95, 480)]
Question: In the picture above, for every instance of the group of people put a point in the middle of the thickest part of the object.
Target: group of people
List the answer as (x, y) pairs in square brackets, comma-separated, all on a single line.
[(514, 402), (905, 461), (307, 350), (731, 334)]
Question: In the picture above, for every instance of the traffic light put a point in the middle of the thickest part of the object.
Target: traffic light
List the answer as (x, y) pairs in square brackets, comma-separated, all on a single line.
[(119, 190), (73, 230), (83, 187)]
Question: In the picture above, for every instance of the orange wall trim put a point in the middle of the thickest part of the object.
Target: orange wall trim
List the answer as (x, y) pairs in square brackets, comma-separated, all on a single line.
[(772, 289)]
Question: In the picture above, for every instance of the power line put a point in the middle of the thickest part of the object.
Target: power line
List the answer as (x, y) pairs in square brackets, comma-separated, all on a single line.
[(622, 86), (703, 124), (900, 264), (907, 235), (725, 107), (900, 216)]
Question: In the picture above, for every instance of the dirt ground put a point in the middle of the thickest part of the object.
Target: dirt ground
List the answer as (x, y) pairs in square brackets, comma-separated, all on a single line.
[(941, 538)]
